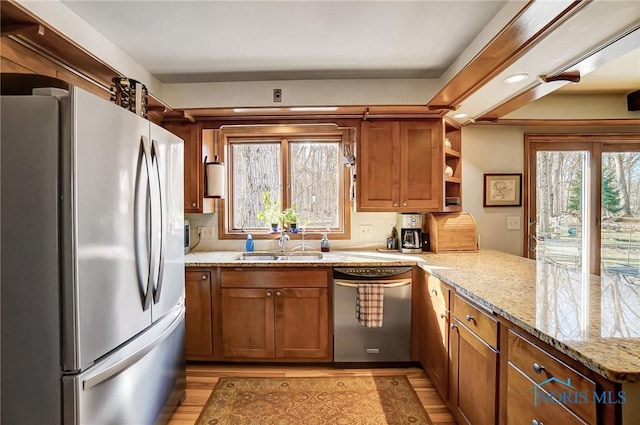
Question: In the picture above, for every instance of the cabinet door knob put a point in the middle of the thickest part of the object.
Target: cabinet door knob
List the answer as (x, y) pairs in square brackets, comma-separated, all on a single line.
[(453, 326), (193, 204), (434, 292), (268, 294), (204, 277), (442, 315), (395, 204), (470, 318), (534, 422), (404, 204), (538, 368), (278, 293)]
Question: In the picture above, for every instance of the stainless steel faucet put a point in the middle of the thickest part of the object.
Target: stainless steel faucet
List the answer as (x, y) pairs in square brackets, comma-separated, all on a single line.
[(283, 239)]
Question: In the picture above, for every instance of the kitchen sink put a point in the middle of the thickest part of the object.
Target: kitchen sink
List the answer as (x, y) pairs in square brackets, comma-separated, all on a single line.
[(280, 256)]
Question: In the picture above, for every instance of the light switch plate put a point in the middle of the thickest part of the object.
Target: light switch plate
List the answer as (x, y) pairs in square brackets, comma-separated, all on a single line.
[(513, 223)]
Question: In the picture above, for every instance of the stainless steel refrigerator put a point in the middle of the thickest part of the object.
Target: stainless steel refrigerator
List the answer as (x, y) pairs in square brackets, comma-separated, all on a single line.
[(92, 263)]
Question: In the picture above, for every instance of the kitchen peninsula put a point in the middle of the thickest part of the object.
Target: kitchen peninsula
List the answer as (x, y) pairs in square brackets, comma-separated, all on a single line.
[(585, 324)]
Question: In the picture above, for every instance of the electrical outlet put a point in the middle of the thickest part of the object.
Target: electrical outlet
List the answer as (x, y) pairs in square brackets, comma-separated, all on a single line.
[(365, 231), (513, 223), (277, 95), (207, 232)]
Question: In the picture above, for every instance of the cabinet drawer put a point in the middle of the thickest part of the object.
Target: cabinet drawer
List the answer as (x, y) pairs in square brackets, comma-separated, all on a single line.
[(248, 278), (524, 405), (484, 325), (541, 366), (439, 294)]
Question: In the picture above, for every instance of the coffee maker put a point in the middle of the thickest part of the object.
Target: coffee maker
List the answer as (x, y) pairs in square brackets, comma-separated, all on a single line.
[(410, 228)]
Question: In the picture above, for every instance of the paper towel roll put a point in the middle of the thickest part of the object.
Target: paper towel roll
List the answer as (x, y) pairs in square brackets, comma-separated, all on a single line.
[(215, 179)]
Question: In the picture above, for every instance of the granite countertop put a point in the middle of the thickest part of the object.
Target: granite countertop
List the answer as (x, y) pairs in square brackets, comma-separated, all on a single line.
[(329, 259), (594, 320)]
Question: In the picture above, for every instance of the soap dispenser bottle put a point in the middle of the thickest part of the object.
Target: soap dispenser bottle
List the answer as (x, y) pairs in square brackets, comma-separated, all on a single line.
[(249, 244), (324, 243)]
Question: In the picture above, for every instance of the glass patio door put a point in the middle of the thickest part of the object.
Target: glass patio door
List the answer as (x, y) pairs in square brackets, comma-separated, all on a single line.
[(558, 231), (584, 205)]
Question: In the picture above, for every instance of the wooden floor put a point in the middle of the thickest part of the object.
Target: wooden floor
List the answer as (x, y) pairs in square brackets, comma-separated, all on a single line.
[(202, 377)]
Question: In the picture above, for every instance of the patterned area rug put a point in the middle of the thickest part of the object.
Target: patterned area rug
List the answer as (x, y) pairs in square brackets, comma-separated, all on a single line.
[(379, 400)]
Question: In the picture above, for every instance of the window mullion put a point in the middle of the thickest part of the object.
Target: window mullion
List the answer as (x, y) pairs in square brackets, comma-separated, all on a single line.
[(285, 174), (594, 215)]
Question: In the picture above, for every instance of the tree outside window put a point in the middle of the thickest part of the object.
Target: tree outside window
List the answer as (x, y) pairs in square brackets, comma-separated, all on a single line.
[(305, 172)]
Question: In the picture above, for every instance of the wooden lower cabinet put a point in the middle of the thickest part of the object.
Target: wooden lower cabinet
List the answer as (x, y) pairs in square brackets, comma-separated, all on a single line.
[(198, 317), (302, 323), (273, 316), (247, 323), (473, 372), (522, 408), (434, 345)]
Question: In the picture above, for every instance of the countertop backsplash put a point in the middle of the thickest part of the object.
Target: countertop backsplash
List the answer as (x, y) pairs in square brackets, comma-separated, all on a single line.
[(381, 225)]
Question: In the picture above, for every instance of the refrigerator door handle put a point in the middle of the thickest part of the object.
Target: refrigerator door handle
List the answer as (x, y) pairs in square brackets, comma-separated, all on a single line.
[(161, 203), (110, 370), (144, 248)]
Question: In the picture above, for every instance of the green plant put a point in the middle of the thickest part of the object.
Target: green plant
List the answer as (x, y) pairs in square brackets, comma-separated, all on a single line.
[(270, 213), (289, 215)]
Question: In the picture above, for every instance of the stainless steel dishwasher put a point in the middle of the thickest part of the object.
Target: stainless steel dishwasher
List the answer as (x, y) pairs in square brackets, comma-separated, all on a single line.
[(353, 342)]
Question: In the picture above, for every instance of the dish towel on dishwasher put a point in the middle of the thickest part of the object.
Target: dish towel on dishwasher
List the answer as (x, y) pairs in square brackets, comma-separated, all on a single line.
[(369, 302)]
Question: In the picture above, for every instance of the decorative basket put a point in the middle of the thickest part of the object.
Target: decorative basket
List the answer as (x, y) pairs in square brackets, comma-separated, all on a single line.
[(130, 94)]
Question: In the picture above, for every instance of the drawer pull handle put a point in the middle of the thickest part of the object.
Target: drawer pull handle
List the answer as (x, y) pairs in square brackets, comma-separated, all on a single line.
[(538, 368), (534, 422), (434, 292), (470, 318), (268, 294)]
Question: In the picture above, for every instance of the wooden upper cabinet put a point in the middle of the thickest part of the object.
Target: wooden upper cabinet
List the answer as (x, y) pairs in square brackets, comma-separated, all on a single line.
[(379, 167), (195, 150), (400, 166)]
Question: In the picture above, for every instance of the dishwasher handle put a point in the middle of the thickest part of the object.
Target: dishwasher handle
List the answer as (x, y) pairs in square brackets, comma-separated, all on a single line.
[(389, 283)]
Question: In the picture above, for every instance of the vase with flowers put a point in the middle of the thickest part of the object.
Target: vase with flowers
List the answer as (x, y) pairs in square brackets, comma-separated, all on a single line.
[(289, 218), (270, 213)]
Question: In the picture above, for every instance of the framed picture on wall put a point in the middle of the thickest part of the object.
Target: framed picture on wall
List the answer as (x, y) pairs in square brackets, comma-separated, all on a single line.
[(502, 190)]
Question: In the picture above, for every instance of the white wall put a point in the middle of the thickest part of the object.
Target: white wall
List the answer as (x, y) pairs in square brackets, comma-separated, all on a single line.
[(301, 93), (492, 149)]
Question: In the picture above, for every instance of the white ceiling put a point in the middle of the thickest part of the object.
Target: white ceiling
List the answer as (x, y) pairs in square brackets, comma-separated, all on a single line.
[(237, 40), (201, 41)]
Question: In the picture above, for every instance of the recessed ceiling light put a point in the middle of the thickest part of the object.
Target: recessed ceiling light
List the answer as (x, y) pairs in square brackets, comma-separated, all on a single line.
[(516, 78), (461, 115)]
